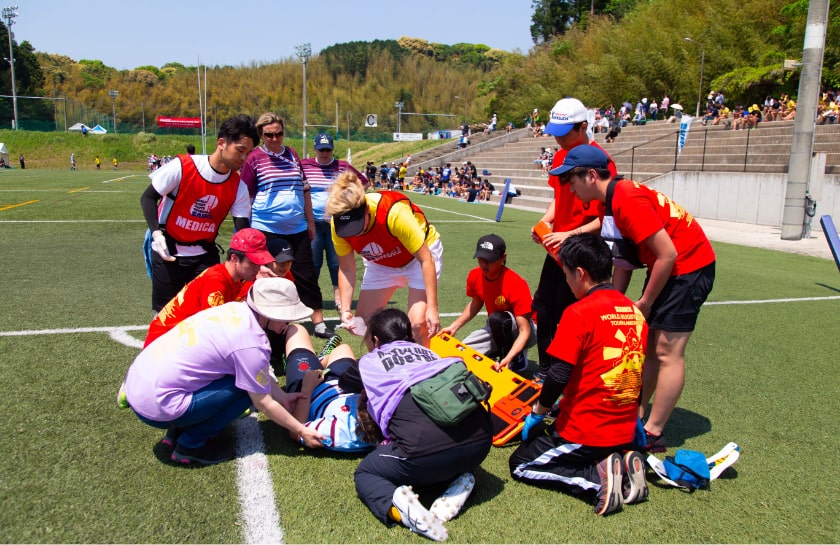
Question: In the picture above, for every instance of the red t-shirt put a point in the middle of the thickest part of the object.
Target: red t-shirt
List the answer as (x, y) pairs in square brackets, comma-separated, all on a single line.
[(640, 211), (569, 211), (604, 337), (214, 287), (243, 291), (509, 292)]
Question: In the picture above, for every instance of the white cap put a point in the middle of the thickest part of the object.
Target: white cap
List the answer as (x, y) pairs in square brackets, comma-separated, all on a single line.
[(564, 115)]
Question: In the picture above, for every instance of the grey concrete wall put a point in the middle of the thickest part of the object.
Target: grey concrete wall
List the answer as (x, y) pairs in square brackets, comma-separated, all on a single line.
[(755, 198)]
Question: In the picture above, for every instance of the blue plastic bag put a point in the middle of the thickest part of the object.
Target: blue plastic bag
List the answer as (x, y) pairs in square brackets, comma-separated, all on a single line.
[(688, 468)]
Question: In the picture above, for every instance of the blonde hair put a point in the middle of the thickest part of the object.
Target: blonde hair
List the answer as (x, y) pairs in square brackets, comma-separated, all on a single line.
[(346, 194), (267, 119)]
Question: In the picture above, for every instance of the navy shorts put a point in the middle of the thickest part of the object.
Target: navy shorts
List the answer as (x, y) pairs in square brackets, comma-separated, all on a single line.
[(678, 305), (300, 360)]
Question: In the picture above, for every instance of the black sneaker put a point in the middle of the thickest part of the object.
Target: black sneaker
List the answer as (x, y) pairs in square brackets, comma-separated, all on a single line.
[(609, 495), (654, 443), (634, 487), (211, 453), (324, 333), (171, 437)]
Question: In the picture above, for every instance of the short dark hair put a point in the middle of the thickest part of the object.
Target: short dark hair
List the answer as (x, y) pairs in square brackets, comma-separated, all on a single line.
[(589, 252), (190, 149), (566, 177), (237, 127)]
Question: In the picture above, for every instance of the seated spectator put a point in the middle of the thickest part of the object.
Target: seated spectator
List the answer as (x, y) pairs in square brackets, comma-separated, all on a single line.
[(471, 195), (485, 190), (789, 113), (509, 127), (712, 113), (754, 117), (613, 131), (603, 125), (546, 162), (739, 118), (723, 117)]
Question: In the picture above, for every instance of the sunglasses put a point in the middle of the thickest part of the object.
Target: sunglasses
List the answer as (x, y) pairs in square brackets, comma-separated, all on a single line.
[(270, 135)]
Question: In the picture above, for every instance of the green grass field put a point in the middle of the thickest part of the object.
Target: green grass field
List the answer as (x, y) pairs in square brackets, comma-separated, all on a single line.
[(77, 469)]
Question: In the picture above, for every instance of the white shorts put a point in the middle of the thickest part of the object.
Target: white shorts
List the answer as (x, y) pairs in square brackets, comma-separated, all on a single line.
[(379, 277)]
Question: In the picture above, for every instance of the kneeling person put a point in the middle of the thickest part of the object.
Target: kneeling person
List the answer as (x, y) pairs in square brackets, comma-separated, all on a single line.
[(509, 331), (198, 377), (600, 345)]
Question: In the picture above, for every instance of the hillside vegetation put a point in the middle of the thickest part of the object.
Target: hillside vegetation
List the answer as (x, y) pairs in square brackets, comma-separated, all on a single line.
[(45, 150)]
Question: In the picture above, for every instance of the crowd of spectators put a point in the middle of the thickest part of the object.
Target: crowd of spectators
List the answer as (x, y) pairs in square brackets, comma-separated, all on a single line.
[(460, 182)]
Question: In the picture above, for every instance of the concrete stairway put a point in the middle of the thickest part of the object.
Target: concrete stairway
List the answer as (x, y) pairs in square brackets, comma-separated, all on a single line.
[(641, 153)]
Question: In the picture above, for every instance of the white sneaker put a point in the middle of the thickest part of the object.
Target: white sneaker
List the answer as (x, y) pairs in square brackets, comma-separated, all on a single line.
[(450, 503), (416, 517)]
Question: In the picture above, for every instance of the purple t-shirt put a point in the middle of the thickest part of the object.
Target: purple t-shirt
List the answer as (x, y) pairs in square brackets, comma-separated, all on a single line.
[(218, 341), (390, 370)]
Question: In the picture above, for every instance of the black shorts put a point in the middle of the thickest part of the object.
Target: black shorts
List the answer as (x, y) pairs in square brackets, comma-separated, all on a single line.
[(678, 305)]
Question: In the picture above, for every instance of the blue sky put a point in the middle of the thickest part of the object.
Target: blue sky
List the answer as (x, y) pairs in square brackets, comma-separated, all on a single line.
[(125, 34)]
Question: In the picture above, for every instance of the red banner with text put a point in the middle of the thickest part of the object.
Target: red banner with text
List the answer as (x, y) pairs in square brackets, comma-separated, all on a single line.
[(180, 122)]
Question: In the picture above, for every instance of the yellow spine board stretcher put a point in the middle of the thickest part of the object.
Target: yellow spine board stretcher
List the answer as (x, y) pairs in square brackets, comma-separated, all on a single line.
[(512, 395)]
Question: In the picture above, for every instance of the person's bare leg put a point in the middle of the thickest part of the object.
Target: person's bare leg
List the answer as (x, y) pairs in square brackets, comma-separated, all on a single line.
[(417, 315), (663, 377), (372, 300)]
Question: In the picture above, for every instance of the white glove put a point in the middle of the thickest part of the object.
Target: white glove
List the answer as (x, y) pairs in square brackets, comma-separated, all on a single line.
[(159, 245), (356, 326)]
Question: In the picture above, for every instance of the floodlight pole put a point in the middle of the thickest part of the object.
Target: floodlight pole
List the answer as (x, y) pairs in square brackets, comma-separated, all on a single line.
[(9, 15), (304, 51), (399, 106), (702, 62), (114, 94)]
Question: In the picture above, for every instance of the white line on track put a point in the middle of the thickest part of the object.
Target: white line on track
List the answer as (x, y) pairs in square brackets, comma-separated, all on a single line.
[(456, 213), (253, 479)]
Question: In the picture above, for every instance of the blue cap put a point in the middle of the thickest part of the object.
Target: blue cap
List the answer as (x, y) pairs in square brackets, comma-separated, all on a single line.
[(583, 156), (323, 141)]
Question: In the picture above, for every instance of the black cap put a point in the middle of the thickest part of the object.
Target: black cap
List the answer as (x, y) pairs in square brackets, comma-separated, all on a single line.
[(490, 247), (350, 223), (281, 250)]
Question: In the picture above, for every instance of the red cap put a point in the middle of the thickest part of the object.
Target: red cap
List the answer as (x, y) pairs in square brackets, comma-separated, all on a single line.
[(252, 243)]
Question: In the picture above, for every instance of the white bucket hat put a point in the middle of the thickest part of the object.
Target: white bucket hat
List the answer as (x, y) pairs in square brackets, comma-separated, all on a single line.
[(277, 299)]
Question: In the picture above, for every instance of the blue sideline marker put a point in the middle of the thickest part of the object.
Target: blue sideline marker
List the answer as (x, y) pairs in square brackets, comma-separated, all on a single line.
[(830, 235), (502, 200)]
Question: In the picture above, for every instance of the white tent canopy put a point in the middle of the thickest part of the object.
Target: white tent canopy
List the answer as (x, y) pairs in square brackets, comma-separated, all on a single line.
[(4, 153), (95, 130)]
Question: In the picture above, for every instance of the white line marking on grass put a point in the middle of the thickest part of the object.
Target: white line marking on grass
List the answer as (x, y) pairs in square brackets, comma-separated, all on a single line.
[(72, 330), (763, 301), (122, 337), (121, 178), (253, 479), (457, 214)]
